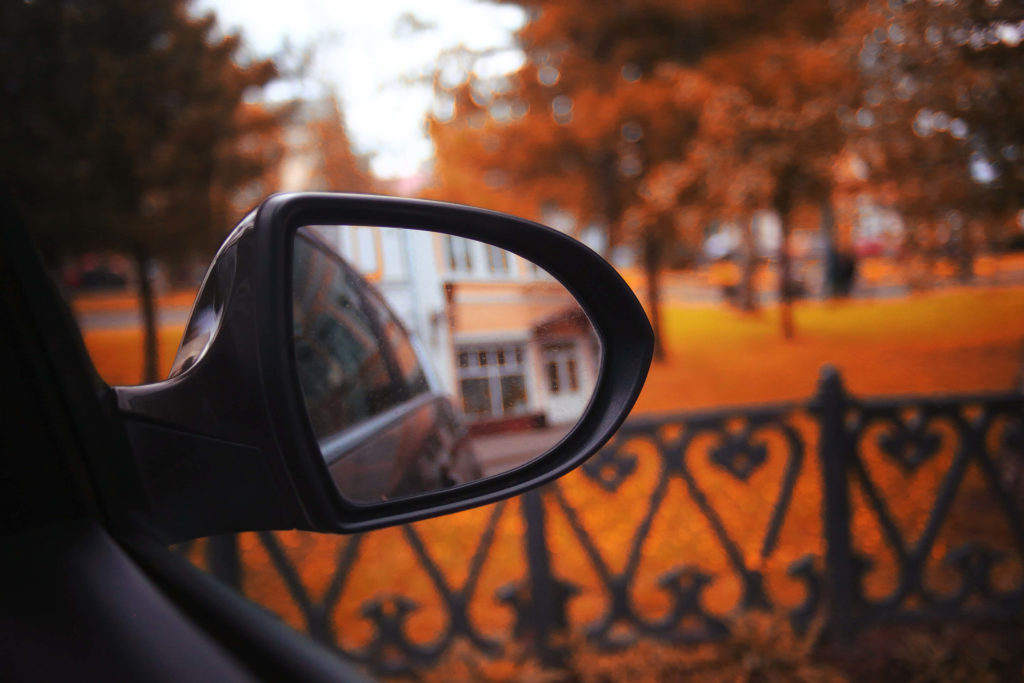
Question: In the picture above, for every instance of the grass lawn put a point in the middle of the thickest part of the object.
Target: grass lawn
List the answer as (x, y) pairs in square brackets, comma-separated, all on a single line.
[(954, 341)]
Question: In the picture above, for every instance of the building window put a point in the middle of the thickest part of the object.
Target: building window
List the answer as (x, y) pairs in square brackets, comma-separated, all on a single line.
[(460, 259), (366, 250), (476, 396), (513, 392), (574, 379), (553, 385), (492, 380), (497, 259)]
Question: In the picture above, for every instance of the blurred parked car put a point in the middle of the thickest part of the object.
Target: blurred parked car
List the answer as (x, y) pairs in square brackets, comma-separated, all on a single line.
[(385, 426)]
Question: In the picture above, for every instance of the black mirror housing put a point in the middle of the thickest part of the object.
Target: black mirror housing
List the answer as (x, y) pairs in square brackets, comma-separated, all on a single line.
[(225, 443)]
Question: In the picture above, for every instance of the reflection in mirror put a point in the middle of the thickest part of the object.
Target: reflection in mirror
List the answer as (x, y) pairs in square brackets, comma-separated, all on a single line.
[(427, 361)]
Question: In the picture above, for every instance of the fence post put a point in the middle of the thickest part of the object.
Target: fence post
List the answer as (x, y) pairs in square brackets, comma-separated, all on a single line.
[(544, 601), (834, 451), (223, 561)]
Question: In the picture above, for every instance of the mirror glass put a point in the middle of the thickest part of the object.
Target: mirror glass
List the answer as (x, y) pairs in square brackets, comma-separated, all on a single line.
[(427, 361)]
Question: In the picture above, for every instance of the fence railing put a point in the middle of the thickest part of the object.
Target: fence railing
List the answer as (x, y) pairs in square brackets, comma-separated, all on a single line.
[(836, 512)]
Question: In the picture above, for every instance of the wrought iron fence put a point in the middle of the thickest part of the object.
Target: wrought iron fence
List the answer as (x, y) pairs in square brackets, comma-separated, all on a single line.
[(835, 511)]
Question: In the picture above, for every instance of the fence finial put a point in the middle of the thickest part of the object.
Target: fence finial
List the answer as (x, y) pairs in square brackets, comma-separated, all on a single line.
[(829, 379)]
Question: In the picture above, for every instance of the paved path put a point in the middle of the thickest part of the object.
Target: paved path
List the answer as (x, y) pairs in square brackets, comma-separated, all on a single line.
[(501, 452)]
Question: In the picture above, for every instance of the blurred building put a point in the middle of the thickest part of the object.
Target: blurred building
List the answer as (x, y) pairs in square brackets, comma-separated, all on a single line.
[(505, 339)]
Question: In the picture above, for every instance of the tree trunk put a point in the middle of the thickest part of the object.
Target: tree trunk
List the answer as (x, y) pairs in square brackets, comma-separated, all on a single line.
[(788, 182), (785, 283), (147, 305), (605, 176), (964, 245), (652, 270), (748, 274), (829, 248)]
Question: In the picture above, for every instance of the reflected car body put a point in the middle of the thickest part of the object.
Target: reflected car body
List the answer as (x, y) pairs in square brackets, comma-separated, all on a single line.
[(384, 427)]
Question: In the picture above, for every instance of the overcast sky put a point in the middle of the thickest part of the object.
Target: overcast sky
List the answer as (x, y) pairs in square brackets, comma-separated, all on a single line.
[(365, 49)]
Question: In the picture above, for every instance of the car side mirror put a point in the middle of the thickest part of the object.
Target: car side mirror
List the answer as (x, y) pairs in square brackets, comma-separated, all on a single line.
[(353, 362)]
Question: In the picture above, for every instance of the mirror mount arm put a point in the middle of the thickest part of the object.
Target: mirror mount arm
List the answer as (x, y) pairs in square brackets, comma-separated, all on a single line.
[(199, 486), (208, 461)]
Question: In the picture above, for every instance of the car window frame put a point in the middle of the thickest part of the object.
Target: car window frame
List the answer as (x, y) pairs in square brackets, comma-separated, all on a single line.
[(373, 307)]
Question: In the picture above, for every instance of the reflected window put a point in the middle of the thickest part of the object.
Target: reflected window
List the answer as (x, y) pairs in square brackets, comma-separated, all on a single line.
[(476, 396), (366, 250), (562, 371), (497, 260), (513, 393), (492, 380), (553, 384), (574, 379), (458, 253)]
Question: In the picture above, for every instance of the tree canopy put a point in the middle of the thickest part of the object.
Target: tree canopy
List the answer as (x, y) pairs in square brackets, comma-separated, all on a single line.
[(939, 137), (129, 125), (652, 117), (656, 119)]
